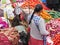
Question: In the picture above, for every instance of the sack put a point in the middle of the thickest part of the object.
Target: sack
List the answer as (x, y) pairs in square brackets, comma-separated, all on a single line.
[(4, 40), (9, 35)]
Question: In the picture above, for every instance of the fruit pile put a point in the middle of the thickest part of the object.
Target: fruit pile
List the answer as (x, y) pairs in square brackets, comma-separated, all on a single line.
[(11, 34), (45, 15), (32, 4), (56, 39), (53, 26)]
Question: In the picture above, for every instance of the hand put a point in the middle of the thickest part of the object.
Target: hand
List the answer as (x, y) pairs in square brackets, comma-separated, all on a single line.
[(49, 40)]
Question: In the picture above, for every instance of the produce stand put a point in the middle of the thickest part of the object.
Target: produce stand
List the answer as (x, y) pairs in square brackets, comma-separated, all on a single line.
[(11, 34), (51, 17)]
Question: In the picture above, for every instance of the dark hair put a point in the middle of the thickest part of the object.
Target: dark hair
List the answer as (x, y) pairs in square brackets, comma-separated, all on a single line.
[(16, 21), (37, 9)]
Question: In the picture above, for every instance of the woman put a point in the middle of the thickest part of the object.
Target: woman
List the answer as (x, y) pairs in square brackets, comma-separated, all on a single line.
[(19, 16), (35, 34)]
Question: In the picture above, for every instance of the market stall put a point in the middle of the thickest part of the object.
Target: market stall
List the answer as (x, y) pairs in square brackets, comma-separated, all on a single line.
[(11, 34)]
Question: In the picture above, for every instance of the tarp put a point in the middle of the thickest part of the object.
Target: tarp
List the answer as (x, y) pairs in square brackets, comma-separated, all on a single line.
[(44, 1)]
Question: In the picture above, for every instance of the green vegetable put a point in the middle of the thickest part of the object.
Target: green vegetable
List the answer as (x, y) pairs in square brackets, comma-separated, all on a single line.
[(54, 14)]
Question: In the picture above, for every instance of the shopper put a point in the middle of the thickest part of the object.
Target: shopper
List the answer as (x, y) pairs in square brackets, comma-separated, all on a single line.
[(19, 16), (36, 36)]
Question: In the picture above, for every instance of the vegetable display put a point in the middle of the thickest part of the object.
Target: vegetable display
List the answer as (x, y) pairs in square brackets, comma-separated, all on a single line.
[(45, 15), (54, 14), (4, 40), (33, 3), (56, 39), (10, 33), (53, 26)]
